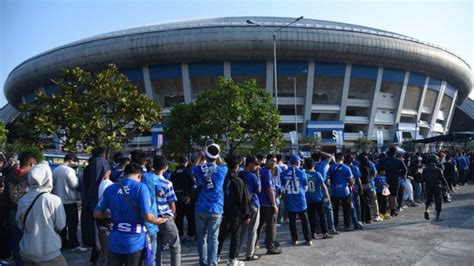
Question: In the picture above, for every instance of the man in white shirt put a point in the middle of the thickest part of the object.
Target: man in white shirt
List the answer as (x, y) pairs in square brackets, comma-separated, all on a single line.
[(65, 184)]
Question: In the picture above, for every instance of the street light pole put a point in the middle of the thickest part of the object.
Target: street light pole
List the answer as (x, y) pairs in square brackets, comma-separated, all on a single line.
[(296, 114), (274, 34)]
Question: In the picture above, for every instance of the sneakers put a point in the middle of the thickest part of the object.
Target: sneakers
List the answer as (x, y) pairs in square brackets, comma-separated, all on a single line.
[(293, 243), (334, 232), (313, 236), (253, 257), (308, 243), (327, 236), (274, 251), (378, 219), (79, 249), (427, 215), (235, 262)]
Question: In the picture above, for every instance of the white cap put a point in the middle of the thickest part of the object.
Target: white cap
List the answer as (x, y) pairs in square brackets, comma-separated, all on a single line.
[(212, 151)]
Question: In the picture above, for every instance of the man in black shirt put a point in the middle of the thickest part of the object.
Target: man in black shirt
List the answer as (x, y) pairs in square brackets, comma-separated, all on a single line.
[(183, 183), (236, 209), (434, 180)]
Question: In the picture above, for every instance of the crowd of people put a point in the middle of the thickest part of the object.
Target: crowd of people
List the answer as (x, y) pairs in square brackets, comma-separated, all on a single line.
[(133, 208)]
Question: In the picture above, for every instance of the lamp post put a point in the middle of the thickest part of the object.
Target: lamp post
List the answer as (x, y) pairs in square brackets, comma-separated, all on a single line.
[(274, 34), (296, 113)]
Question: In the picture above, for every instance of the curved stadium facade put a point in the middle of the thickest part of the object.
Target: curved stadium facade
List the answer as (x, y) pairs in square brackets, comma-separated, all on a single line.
[(350, 80)]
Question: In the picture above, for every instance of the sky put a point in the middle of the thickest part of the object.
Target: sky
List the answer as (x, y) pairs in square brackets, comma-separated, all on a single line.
[(30, 27)]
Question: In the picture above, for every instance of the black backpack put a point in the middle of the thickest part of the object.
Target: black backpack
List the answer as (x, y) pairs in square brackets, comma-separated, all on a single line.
[(449, 170)]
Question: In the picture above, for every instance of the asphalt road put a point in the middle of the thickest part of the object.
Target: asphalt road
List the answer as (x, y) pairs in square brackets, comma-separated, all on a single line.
[(408, 239)]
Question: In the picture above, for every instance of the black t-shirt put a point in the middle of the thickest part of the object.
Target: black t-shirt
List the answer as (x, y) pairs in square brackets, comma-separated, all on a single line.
[(183, 183), (432, 176)]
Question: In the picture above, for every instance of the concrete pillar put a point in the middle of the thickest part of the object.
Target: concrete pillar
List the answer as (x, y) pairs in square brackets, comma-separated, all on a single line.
[(375, 101), (422, 100), (402, 97), (227, 71), (309, 96), (437, 105), (449, 118), (345, 92), (186, 83), (147, 82)]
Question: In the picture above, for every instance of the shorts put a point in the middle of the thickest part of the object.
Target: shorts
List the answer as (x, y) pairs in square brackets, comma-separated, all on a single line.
[(393, 186)]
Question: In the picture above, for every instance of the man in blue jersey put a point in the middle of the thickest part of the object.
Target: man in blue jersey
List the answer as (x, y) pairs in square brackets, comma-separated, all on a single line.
[(394, 170), (294, 182), (249, 231), (341, 179), (316, 195), (152, 182), (210, 204), (321, 165), (130, 207), (268, 206), (168, 232)]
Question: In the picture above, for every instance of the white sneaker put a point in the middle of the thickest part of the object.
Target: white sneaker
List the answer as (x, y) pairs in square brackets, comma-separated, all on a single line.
[(79, 249), (235, 262), (378, 219)]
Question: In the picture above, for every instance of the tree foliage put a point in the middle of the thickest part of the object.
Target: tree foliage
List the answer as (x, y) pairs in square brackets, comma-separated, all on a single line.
[(96, 109), (364, 143), (231, 114), (3, 135)]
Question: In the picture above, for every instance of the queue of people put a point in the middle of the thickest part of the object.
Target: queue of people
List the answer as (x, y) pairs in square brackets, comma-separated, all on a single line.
[(133, 208)]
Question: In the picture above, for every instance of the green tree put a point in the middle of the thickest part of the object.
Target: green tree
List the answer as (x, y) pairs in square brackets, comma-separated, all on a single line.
[(96, 109), (311, 144), (231, 114), (363, 143), (3, 135)]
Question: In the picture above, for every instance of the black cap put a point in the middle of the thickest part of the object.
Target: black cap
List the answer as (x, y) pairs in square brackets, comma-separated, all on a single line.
[(250, 159)]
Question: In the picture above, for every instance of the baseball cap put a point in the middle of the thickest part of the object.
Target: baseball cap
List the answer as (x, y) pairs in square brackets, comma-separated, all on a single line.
[(294, 158), (250, 159)]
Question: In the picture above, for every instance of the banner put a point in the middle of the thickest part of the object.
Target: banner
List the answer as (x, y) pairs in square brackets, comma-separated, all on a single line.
[(293, 137), (379, 138)]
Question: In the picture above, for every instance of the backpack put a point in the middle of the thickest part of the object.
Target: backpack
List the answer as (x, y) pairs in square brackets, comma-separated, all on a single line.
[(449, 170)]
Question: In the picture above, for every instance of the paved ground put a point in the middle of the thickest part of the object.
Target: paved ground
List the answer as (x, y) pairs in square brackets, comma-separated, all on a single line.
[(405, 240)]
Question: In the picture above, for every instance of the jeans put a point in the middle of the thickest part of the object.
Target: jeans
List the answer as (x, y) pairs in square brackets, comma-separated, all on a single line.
[(329, 215), (17, 234), (154, 246), (434, 193), (417, 191), (365, 206), (267, 218), (248, 232), (382, 202), (316, 215), (207, 224), (69, 233), (185, 210), (346, 209), (304, 223), (169, 235), (58, 261), (356, 204), (230, 225), (133, 259)]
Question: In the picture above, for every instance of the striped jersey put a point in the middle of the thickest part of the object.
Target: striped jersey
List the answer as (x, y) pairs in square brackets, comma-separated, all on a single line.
[(166, 198)]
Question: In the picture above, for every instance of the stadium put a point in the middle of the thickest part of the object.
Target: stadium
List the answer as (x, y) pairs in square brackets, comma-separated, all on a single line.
[(335, 80)]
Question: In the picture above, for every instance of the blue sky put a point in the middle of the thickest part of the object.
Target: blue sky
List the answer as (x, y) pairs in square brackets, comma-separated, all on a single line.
[(29, 27)]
